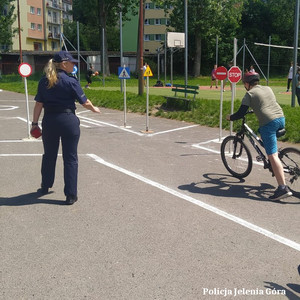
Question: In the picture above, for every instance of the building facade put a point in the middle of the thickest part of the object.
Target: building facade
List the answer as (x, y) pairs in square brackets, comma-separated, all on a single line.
[(155, 28), (41, 24)]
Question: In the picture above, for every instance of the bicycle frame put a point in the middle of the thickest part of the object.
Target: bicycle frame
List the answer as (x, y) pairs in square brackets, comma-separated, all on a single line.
[(252, 137)]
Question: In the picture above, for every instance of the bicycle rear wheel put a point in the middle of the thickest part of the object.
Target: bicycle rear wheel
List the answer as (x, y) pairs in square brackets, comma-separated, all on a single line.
[(290, 158), (236, 156)]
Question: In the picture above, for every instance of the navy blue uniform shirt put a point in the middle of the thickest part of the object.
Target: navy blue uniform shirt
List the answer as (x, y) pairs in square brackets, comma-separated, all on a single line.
[(63, 94)]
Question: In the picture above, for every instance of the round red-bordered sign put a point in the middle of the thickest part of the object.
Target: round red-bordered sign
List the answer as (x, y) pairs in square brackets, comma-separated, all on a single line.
[(221, 73), (25, 70), (234, 74)]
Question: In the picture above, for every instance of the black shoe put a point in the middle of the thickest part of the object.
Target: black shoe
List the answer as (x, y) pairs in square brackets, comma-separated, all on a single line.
[(43, 190), (281, 193), (71, 199)]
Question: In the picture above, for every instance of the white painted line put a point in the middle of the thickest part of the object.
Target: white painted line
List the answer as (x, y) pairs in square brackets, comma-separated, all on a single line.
[(244, 223), (111, 125), (171, 130), (21, 141), (204, 148), (22, 119), (8, 107), (96, 122), (218, 152), (19, 155), (92, 122)]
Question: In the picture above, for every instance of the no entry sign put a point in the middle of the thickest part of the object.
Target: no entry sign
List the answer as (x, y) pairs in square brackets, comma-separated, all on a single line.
[(221, 73), (25, 70), (234, 74)]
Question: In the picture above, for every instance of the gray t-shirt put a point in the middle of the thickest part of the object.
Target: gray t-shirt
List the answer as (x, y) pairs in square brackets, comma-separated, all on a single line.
[(263, 102)]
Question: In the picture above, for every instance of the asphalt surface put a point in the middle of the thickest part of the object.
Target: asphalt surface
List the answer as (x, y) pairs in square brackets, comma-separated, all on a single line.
[(158, 216)]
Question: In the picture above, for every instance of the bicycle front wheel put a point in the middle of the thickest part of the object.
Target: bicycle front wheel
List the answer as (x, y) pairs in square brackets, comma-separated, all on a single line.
[(290, 159), (236, 157)]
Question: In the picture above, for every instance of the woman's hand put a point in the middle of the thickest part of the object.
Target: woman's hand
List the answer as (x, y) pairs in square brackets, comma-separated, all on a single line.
[(89, 105)]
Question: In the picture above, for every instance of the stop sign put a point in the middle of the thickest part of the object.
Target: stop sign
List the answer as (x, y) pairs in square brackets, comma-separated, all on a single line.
[(221, 73), (234, 74)]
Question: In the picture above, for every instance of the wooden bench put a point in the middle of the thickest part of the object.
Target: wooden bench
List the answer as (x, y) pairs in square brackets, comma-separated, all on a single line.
[(183, 89)]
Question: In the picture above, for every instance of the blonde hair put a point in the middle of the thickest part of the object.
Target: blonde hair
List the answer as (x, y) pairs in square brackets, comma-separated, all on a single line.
[(51, 73)]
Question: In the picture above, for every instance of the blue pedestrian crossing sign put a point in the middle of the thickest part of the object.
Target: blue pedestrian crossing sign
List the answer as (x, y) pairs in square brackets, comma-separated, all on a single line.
[(124, 72)]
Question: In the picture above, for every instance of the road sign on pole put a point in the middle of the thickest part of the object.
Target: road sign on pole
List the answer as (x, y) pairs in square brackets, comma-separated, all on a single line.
[(25, 71), (221, 73), (148, 72), (234, 74), (124, 72)]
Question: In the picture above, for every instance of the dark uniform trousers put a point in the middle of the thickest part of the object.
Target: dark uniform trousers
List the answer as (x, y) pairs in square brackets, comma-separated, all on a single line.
[(64, 126)]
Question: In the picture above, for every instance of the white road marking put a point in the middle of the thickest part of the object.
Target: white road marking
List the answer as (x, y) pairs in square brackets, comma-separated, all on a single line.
[(98, 123), (19, 155), (111, 125), (8, 107), (218, 152), (21, 141), (171, 130), (244, 223)]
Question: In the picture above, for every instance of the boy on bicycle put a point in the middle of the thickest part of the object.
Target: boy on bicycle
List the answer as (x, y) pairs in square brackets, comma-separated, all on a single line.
[(271, 118)]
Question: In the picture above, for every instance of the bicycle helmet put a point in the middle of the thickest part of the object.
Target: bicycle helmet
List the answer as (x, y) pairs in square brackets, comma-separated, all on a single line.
[(251, 77)]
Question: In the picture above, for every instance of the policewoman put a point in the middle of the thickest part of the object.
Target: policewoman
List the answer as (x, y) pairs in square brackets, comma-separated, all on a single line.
[(57, 93)]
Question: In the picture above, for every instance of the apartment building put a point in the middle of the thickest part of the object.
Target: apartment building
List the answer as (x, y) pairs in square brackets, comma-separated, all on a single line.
[(41, 24), (155, 26)]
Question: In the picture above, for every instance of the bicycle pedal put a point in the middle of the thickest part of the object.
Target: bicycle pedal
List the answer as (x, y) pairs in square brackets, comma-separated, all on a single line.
[(259, 158)]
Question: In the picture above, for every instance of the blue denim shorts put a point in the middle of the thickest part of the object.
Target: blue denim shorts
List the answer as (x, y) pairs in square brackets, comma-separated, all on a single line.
[(268, 134)]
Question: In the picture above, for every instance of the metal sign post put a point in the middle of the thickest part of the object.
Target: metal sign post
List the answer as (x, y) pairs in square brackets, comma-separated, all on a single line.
[(148, 73), (25, 70), (234, 76), (124, 73), (221, 74)]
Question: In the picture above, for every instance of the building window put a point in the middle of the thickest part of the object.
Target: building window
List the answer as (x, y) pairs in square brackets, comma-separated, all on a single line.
[(157, 21), (54, 17), (32, 26), (158, 37), (38, 11), (147, 6), (156, 6), (147, 22), (37, 46), (39, 27), (147, 37), (32, 11)]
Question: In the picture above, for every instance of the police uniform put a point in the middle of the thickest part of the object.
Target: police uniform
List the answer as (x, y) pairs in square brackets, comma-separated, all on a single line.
[(60, 122)]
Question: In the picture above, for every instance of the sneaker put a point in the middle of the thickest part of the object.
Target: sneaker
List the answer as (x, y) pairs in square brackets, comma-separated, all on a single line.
[(281, 193)]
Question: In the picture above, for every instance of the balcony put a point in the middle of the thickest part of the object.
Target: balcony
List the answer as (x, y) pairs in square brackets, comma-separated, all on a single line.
[(52, 20), (53, 36), (53, 5)]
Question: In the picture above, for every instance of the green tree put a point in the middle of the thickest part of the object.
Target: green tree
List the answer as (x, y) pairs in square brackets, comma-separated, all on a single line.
[(262, 19), (7, 18), (206, 20), (96, 15)]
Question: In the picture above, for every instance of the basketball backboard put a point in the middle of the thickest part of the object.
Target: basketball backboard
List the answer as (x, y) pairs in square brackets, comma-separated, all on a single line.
[(176, 39)]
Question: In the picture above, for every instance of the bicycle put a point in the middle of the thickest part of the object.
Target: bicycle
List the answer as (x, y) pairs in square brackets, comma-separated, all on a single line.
[(237, 157)]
